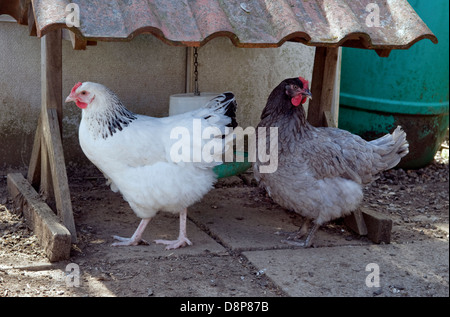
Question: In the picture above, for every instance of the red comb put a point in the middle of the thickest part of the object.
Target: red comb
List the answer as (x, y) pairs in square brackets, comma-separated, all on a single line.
[(78, 84), (304, 81)]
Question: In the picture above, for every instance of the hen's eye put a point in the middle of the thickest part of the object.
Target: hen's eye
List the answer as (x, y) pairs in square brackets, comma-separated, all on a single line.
[(295, 87), (83, 92)]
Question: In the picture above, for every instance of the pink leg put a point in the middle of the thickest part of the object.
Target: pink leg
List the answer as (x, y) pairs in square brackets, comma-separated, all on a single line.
[(136, 238), (182, 238)]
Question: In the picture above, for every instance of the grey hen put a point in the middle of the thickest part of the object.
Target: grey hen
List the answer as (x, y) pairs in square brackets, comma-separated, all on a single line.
[(320, 171)]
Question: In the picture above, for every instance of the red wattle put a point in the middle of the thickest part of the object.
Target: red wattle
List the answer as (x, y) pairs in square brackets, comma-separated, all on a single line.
[(304, 100), (296, 101), (81, 104)]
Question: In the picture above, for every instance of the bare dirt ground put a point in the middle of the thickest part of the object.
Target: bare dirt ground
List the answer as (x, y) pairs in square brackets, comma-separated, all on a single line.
[(416, 200)]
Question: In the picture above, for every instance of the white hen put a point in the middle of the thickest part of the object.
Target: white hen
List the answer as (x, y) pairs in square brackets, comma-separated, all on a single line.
[(146, 160)]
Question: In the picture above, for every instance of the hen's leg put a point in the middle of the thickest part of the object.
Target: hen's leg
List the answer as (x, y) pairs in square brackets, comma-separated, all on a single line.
[(296, 235), (307, 242), (182, 240), (310, 235), (137, 236)]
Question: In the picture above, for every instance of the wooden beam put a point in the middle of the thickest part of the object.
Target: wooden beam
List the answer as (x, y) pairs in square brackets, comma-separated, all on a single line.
[(59, 179), (53, 237), (383, 52), (78, 43), (31, 21), (355, 221), (51, 72), (54, 172), (323, 80), (47, 164), (34, 169), (46, 186), (379, 226)]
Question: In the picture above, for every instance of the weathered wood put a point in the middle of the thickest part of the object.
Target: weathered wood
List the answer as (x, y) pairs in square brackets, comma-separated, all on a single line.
[(60, 182), (328, 119), (34, 169), (383, 52), (355, 221), (78, 43), (53, 237), (51, 72), (54, 172), (32, 31), (322, 86), (379, 227), (46, 187)]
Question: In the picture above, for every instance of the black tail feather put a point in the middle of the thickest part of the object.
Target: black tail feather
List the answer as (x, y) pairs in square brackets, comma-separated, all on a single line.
[(231, 109), (226, 101)]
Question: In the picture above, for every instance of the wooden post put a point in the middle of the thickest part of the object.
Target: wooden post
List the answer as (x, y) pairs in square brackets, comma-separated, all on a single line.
[(51, 121), (320, 110), (322, 86), (47, 170), (51, 135), (51, 73), (34, 169)]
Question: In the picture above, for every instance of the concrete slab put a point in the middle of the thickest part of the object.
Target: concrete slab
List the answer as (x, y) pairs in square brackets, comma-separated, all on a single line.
[(414, 269), (96, 231), (243, 220)]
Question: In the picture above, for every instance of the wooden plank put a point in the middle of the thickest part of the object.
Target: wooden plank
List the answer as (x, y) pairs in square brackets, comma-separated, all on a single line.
[(46, 187), (383, 52), (379, 226), (34, 169), (78, 43), (51, 73), (328, 119), (53, 237), (336, 92), (55, 153), (355, 221), (323, 80), (31, 21), (51, 115)]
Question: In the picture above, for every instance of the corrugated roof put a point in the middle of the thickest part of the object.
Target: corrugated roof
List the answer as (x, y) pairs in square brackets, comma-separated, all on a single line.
[(248, 23)]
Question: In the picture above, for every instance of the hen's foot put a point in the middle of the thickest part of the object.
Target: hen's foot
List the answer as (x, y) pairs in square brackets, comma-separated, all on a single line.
[(127, 241), (136, 238), (293, 239), (295, 242), (296, 235), (182, 238), (175, 244)]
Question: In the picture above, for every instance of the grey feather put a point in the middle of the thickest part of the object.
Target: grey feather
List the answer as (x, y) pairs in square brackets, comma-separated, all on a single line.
[(321, 171)]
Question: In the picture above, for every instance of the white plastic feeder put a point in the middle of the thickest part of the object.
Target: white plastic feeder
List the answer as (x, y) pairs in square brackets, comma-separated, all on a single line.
[(181, 103)]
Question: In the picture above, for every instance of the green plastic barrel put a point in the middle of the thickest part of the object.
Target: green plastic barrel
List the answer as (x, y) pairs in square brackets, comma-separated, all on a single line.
[(228, 169), (409, 88)]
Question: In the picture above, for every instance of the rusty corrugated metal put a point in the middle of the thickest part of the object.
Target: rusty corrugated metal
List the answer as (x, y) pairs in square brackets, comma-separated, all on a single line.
[(248, 23)]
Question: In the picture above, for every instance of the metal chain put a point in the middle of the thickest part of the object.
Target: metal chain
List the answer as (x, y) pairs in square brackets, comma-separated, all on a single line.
[(196, 91)]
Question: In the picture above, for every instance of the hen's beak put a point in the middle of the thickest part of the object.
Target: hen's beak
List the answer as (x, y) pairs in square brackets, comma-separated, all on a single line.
[(70, 98), (307, 93)]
